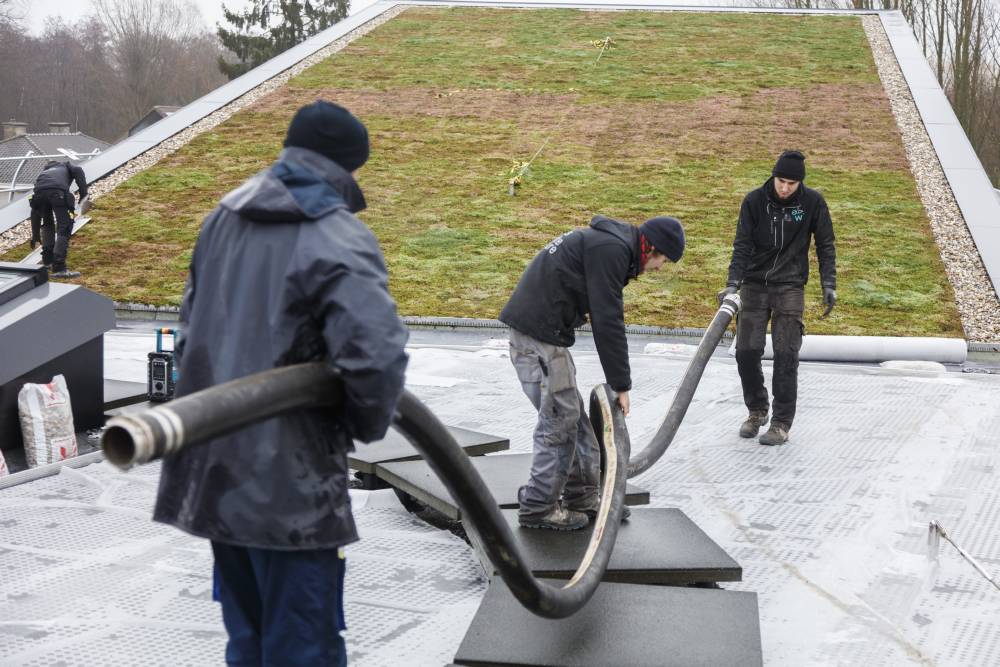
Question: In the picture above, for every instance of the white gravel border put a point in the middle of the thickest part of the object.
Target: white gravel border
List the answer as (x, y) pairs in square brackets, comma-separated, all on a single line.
[(977, 302)]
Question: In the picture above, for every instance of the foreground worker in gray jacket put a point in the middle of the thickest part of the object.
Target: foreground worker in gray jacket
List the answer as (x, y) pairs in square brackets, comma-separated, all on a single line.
[(578, 274), (770, 267), (283, 273)]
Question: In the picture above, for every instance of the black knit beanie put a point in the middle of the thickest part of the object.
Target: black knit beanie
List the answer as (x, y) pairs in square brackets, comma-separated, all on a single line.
[(790, 165), (332, 131), (666, 234)]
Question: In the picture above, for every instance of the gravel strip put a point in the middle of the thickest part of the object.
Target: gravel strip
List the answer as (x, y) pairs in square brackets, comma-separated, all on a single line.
[(974, 295), (22, 232)]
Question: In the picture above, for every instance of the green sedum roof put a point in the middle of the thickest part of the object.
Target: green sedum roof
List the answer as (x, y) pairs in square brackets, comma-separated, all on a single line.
[(681, 116)]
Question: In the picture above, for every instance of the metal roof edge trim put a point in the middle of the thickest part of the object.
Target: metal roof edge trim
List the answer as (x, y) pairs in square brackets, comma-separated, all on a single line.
[(123, 310), (969, 182), (120, 153), (619, 6)]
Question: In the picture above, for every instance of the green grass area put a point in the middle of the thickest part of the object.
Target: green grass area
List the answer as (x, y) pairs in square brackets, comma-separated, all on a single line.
[(682, 117)]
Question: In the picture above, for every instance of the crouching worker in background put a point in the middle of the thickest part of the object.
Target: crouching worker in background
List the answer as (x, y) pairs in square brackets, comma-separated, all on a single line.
[(284, 273), (52, 207), (579, 273)]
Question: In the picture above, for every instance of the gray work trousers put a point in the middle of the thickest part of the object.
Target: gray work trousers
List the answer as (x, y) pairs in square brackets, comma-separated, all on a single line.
[(566, 462), (783, 305)]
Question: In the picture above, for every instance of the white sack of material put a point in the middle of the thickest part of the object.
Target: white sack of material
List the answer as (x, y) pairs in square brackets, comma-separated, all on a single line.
[(46, 422)]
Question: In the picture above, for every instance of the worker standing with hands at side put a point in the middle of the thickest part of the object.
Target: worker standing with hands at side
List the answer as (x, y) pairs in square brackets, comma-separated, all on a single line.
[(770, 267)]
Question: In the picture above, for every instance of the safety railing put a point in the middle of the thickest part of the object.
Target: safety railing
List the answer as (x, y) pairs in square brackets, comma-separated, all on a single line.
[(14, 187)]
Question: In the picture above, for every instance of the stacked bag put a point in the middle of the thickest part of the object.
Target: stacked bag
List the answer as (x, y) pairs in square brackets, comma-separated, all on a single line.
[(46, 423)]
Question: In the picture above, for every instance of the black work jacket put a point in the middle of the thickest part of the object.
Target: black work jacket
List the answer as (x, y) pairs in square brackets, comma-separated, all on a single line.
[(57, 176), (578, 274), (773, 237), (283, 273)]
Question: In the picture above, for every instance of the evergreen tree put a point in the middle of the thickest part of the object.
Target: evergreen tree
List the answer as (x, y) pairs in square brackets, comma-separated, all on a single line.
[(269, 27)]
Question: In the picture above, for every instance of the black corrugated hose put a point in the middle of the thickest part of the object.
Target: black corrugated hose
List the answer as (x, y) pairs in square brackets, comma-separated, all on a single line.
[(644, 460), (197, 418)]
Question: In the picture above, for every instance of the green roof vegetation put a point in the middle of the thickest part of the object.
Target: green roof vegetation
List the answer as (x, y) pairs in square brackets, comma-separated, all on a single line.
[(682, 116)]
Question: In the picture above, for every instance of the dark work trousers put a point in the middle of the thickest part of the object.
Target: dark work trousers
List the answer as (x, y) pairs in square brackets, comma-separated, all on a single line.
[(281, 608), (566, 459), (783, 306), (49, 204)]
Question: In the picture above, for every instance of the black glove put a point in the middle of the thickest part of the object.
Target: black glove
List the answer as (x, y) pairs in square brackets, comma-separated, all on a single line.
[(729, 289), (830, 299)]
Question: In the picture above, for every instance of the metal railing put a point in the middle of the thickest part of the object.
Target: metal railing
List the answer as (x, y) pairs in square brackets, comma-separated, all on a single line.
[(63, 153)]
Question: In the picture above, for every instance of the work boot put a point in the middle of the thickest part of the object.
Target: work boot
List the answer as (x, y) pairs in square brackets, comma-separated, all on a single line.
[(589, 507), (65, 274), (751, 426), (557, 518), (776, 435)]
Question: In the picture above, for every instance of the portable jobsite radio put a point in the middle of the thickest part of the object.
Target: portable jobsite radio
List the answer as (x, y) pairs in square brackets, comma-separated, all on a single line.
[(161, 376)]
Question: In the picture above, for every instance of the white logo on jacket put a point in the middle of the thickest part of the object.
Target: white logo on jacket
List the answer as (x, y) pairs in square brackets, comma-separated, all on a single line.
[(554, 244)]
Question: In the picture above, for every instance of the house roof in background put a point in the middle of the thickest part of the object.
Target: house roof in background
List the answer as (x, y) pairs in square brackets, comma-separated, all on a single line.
[(42, 143)]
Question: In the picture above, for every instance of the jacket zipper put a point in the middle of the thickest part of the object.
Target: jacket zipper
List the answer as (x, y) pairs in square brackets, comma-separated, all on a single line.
[(780, 248)]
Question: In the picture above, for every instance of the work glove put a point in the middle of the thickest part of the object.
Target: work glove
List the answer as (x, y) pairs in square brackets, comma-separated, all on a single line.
[(830, 299), (729, 289)]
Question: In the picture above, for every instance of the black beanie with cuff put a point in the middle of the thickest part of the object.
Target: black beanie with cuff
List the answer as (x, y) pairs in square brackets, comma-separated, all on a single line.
[(332, 131), (790, 165), (667, 236)]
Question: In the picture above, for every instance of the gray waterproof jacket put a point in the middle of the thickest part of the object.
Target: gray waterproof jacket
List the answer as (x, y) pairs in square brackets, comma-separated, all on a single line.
[(283, 273)]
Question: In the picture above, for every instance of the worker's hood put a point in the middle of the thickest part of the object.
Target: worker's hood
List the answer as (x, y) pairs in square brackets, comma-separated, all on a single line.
[(301, 185), (625, 233)]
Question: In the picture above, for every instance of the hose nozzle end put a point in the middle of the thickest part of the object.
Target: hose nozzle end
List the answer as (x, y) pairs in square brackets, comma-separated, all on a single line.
[(127, 442)]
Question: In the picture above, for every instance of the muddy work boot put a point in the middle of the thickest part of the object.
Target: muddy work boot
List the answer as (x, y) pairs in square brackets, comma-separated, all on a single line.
[(776, 435), (589, 507), (751, 426), (557, 518)]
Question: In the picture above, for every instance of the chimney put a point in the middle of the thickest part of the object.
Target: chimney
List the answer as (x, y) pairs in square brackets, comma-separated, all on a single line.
[(59, 128), (13, 128)]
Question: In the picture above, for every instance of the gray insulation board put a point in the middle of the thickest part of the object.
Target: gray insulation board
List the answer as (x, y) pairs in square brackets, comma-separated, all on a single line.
[(656, 545), (623, 625), (394, 447), (503, 474)]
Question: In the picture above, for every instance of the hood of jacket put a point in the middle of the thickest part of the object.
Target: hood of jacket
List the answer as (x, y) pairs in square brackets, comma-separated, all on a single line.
[(301, 185), (625, 232)]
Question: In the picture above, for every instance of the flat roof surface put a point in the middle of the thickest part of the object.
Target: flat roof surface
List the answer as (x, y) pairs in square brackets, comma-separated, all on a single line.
[(830, 529)]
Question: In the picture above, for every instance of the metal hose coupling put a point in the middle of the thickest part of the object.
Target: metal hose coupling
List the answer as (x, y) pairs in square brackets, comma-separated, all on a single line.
[(145, 436), (732, 304)]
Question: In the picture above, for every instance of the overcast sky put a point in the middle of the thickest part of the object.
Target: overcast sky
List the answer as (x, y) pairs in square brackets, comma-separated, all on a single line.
[(39, 10)]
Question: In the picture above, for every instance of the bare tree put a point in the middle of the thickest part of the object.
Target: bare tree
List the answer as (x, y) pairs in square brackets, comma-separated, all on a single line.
[(80, 74), (12, 11), (141, 36)]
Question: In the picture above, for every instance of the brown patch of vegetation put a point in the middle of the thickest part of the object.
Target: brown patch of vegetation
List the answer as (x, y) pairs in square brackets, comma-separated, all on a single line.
[(656, 131)]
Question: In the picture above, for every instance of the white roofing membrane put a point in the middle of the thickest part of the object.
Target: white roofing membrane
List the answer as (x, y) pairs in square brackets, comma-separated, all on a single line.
[(831, 529)]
